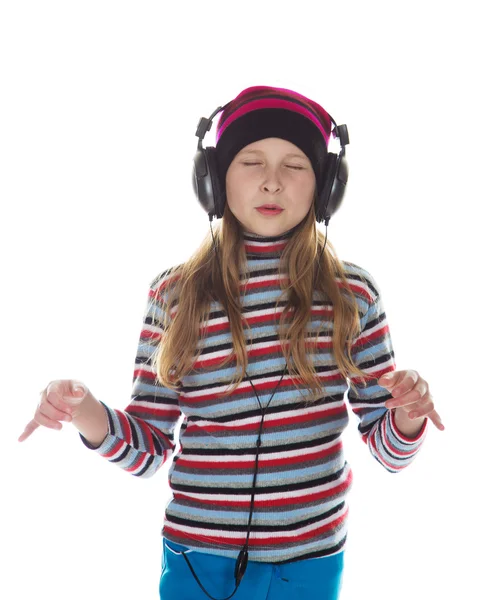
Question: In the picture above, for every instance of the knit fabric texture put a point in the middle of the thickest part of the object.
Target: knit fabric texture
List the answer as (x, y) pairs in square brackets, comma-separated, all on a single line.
[(262, 112), (303, 481)]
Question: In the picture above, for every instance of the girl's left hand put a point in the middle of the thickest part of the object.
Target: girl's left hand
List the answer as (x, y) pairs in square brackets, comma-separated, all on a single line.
[(411, 395)]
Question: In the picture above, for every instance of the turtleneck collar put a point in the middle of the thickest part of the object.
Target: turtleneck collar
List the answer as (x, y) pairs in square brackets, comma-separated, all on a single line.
[(259, 246)]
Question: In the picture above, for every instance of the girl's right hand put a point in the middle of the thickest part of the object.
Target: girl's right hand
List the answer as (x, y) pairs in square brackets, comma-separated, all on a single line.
[(59, 401)]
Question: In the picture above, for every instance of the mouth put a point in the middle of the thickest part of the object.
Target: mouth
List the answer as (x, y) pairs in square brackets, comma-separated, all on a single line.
[(269, 209)]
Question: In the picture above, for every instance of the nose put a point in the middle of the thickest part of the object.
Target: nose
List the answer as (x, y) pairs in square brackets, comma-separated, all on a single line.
[(271, 188), (272, 182)]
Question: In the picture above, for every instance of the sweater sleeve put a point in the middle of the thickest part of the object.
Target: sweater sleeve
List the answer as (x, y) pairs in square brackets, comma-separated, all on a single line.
[(140, 438), (373, 353)]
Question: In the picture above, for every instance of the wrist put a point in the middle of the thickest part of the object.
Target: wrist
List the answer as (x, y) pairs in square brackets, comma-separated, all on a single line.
[(408, 427), (91, 420)]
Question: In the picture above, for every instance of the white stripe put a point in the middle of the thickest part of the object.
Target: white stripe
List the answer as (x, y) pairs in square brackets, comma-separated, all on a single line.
[(239, 536), (264, 458), (313, 410), (291, 494)]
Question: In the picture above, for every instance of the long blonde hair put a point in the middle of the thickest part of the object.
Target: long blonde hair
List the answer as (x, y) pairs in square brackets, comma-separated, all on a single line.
[(198, 282)]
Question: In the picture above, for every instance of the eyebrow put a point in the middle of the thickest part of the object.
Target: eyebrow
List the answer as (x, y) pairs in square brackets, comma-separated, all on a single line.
[(261, 152)]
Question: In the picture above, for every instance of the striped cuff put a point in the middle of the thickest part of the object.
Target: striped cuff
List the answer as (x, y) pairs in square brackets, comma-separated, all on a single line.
[(391, 448), (406, 442)]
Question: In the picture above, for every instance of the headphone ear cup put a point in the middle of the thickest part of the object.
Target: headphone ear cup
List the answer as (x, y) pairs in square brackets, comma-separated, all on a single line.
[(201, 181), (338, 189), (219, 194), (205, 181), (334, 186)]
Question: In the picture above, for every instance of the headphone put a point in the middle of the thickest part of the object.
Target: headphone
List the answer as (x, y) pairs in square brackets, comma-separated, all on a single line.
[(210, 193), (211, 196)]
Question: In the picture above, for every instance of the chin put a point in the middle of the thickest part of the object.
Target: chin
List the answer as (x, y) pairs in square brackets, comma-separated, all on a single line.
[(267, 231)]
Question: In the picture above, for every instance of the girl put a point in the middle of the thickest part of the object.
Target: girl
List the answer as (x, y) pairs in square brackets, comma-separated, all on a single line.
[(260, 482)]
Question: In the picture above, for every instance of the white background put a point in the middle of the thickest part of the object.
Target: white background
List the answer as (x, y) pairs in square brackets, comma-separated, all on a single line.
[(100, 103)]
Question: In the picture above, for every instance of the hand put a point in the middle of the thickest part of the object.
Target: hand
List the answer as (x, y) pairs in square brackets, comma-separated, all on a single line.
[(411, 395), (59, 401)]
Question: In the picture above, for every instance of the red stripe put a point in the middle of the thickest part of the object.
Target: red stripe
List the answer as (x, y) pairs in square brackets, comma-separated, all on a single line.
[(114, 449), (141, 458), (401, 436), (384, 461), (258, 352), (186, 461), (148, 428), (143, 374), (379, 333), (265, 319), (265, 386), (286, 501), (262, 103), (125, 426), (263, 249), (272, 540), (273, 422), (267, 94)]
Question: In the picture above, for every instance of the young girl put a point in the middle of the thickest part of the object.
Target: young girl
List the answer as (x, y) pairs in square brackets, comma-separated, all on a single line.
[(255, 341)]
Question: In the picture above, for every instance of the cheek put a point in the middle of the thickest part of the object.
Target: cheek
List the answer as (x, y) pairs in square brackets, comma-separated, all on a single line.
[(232, 192), (232, 183), (309, 184), (238, 189), (305, 191), (234, 198)]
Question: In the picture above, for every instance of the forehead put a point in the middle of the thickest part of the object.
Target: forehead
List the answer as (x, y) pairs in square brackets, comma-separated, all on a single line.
[(274, 146)]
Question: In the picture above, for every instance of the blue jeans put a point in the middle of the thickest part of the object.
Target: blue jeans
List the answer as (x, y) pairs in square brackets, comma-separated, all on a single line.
[(311, 579)]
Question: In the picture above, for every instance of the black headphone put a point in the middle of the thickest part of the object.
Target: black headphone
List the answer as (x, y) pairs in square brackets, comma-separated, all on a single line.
[(211, 195)]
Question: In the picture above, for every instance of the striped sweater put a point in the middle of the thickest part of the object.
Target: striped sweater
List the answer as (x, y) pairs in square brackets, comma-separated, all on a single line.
[(301, 497)]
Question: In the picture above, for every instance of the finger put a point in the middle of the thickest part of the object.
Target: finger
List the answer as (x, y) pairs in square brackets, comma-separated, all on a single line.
[(65, 401), (406, 383), (436, 419), (29, 429), (427, 411), (45, 420), (395, 378), (54, 406), (53, 412), (419, 394)]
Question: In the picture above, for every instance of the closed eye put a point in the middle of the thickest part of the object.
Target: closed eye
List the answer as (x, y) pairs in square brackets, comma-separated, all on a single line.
[(290, 166)]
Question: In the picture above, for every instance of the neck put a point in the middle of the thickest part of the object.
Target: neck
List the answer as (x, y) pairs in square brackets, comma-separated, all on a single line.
[(259, 246)]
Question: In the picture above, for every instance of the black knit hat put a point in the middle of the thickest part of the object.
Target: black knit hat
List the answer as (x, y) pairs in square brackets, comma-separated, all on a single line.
[(262, 112)]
